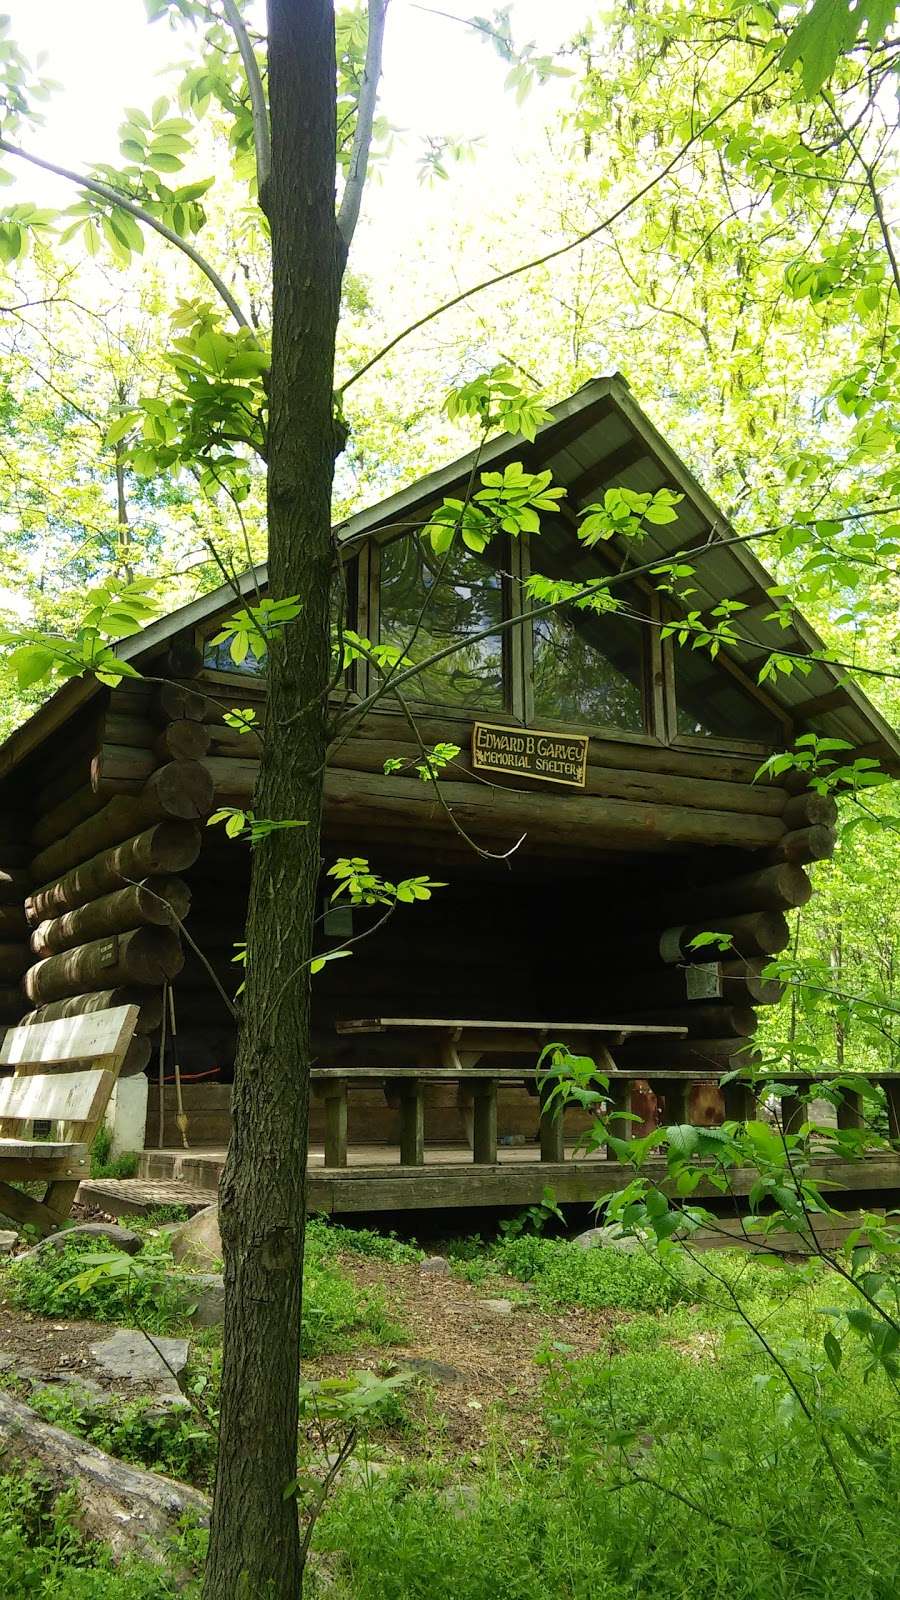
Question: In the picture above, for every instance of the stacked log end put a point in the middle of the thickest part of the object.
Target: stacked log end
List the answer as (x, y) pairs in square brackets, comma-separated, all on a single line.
[(117, 826)]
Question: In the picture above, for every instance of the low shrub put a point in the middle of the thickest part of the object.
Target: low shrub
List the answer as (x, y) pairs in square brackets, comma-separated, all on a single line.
[(561, 1273), (326, 1239), (56, 1283)]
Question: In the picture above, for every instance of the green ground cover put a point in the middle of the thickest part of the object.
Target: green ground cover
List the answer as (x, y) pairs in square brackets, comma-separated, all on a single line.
[(675, 1460)]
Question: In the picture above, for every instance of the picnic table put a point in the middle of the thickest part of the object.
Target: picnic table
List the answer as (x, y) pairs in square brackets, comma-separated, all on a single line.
[(453, 1049)]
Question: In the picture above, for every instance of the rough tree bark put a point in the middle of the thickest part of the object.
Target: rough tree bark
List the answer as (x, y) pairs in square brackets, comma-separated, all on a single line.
[(254, 1544)]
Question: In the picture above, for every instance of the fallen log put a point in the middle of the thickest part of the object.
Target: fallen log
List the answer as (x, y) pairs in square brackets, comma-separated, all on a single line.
[(132, 1511)]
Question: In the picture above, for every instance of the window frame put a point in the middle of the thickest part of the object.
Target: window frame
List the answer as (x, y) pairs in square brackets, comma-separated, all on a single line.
[(451, 713)]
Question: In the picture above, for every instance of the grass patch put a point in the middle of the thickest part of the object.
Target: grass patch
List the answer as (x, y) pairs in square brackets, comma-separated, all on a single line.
[(327, 1239), (562, 1274), (337, 1313), (123, 1166)]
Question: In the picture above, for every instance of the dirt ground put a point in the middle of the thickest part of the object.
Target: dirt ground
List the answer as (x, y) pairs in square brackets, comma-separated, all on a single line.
[(472, 1363)]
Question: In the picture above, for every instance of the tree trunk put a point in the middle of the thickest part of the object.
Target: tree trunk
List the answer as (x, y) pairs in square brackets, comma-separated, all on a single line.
[(254, 1543)]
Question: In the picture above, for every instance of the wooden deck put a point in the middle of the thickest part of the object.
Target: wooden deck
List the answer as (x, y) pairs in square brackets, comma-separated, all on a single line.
[(374, 1180)]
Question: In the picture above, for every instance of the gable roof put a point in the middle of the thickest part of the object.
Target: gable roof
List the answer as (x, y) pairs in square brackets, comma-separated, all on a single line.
[(596, 438)]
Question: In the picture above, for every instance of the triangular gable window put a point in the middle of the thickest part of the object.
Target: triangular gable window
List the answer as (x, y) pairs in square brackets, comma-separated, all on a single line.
[(712, 702)]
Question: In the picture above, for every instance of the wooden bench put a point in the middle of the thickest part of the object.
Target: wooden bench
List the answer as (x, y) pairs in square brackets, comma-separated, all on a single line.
[(64, 1073)]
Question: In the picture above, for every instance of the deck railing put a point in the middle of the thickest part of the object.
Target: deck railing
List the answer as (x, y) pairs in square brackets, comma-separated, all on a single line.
[(405, 1087)]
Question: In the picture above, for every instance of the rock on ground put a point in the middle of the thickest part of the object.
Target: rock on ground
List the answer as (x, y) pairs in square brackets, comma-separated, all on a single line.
[(206, 1293), (611, 1237), (7, 1242), (437, 1266), (198, 1242), (109, 1232), (152, 1362), (499, 1308)]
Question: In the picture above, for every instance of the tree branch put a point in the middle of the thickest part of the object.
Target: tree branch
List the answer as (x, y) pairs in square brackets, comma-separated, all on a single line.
[(117, 199), (348, 214), (562, 249), (262, 137)]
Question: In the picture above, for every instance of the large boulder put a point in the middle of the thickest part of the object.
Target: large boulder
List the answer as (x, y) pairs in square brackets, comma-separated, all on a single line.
[(206, 1294), (198, 1242), (610, 1237), (102, 1232)]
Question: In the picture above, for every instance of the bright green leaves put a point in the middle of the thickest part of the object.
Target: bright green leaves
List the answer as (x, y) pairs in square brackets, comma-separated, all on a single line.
[(362, 887), (509, 501), (498, 400), (821, 760), (242, 824), (252, 629), (113, 612), (386, 657), (19, 225), (623, 511), (19, 88), (242, 720), (526, 67), (157, 141), (214, 419), (432, 764), (828, 30)]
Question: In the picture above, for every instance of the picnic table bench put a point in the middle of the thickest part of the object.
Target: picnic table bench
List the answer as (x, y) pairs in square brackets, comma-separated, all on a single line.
[(64, 1073)]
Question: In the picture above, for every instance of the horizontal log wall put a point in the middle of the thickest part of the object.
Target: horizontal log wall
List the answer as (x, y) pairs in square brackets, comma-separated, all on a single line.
[(659, 846)]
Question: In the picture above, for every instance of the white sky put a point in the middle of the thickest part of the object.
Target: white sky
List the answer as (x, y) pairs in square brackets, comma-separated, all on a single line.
[(439, 78)]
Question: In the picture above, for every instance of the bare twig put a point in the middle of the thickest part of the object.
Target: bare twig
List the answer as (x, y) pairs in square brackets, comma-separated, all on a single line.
[(262, 137), (147, 217), (348, 214)]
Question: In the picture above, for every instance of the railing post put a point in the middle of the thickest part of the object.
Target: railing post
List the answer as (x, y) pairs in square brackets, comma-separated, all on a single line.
[(619, 1097), (892, 1096), (484, 1138), (740, 1101), (552, 1134), (336, 1125), (794, 1112), (850, 1110), (412, 1124)]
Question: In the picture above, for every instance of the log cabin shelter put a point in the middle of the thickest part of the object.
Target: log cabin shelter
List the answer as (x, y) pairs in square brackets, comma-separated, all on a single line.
[(642, 824)]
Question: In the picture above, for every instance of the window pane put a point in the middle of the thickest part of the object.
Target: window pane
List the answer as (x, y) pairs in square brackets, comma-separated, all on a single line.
[(218, 658), (587, 668), (464, 594), (713, 703)]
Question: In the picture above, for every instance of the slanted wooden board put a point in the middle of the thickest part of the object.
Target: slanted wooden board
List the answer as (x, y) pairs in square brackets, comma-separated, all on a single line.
[(75, 1101), (93, 1036), (55, 1096)]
